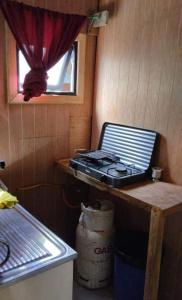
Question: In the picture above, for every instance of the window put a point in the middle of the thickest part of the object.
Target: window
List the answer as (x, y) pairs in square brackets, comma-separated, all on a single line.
[(61, 77), (65, 86)]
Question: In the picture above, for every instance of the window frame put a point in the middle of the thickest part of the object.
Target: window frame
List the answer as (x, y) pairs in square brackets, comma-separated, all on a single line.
[(11, 69), (75, 47)]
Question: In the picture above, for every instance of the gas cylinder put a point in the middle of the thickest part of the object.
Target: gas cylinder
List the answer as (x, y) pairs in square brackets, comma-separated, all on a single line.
[(93, 244)]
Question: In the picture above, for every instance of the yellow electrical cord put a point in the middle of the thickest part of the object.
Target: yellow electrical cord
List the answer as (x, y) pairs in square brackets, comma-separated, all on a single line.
[(60, 186), (31, 187)]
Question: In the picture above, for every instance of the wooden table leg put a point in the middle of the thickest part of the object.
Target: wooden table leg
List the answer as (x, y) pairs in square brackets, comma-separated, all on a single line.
[(154, 255)]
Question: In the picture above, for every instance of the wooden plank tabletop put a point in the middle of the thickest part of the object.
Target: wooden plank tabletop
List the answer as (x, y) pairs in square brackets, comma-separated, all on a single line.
[(164, 196)]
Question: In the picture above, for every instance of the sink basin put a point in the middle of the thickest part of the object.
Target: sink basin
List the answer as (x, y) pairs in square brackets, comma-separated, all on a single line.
[(34, 248)]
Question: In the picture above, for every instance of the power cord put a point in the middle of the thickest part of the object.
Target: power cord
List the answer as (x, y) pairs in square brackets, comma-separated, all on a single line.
[(62, 188), (5, 243)]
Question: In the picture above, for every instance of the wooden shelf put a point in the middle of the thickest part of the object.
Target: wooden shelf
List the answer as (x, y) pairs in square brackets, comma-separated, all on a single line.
[(147, 195), (160, 199)]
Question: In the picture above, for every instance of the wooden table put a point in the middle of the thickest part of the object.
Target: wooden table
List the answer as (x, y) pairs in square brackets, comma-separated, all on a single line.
[(160, 199)]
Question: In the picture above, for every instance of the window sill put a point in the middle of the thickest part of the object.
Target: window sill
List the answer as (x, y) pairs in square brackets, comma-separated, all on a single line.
[(48, 99)]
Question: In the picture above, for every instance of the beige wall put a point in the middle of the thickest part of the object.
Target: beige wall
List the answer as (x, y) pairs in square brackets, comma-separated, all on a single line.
[(32, 137), (139, 74)]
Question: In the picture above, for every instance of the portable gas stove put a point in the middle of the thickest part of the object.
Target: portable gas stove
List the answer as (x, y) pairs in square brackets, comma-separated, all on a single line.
[(124, 155)]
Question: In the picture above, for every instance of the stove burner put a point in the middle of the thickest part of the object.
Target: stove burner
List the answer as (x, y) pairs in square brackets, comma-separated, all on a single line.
[(121, 169), (118, 170)]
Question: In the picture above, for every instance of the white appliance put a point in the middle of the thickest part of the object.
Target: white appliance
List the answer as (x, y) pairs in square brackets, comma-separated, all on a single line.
[(40, 266)]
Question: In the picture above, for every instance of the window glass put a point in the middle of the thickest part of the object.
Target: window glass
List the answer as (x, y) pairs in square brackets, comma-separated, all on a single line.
[(61, 77)]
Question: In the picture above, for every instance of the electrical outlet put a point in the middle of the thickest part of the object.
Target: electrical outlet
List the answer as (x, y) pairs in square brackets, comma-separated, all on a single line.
[(99, 19)]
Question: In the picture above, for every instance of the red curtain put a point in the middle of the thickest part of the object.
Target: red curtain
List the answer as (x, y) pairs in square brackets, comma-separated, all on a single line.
[(43, 36)]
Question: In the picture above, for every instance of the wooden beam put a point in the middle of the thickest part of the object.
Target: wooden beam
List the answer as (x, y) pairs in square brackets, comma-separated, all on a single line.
[(154, 255)]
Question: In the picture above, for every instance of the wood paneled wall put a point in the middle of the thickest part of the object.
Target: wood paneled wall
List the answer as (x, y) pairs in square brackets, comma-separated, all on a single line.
[(32, 137), (139, 74), (139, 83)]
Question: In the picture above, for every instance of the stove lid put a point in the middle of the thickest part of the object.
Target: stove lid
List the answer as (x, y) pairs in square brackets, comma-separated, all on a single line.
[(134, 146)]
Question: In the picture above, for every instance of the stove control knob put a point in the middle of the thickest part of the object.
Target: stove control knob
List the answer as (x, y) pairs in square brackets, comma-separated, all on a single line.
[(103, 178)]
